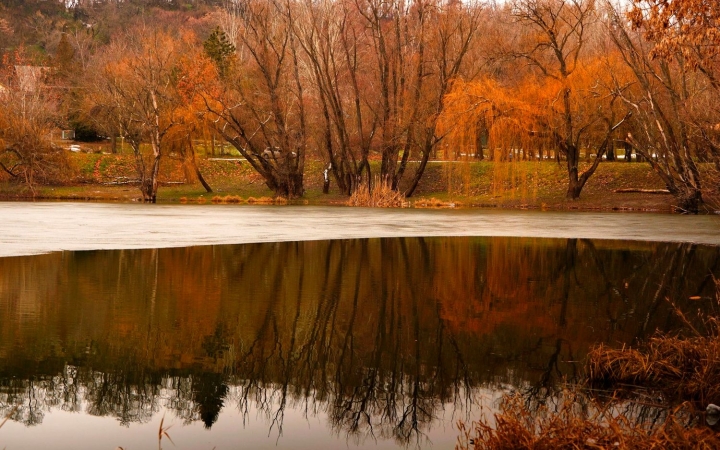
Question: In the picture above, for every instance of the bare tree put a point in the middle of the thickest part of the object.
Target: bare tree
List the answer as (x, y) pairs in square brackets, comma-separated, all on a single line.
[(134, 94), (332, 39), (660, 102), (261, 109)]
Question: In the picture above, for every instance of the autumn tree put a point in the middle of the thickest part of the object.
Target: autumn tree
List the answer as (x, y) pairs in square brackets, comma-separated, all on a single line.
[(261, 109), (28, 115), (134, 94), (664, 101), (454, 28), (197, 75), (380, 71), (554, 42), (685, 36), (536, 100), (418, 51)]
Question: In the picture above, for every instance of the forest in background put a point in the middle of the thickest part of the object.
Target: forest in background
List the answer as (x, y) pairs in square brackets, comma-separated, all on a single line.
[(349, 83)]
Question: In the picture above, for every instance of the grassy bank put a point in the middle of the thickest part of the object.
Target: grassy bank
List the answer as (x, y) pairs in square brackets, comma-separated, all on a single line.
[(522, 184)]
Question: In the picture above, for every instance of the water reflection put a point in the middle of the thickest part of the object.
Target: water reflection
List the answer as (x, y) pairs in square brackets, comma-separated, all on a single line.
[(376, 336)]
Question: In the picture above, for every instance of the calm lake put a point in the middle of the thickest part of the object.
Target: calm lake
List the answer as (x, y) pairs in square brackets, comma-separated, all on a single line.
[(371, 343)]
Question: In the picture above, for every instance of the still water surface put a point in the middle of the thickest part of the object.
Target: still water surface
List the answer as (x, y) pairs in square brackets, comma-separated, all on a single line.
[(377, 343)]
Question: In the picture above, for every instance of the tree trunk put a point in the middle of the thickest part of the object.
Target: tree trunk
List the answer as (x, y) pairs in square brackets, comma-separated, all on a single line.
[(689, 200), (610, 152), (153, 180), (419, 171), (628, 151), (190, 156), (574, 186), (326, 179)]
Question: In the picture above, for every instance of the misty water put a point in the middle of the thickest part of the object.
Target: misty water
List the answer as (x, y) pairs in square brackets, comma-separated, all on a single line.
[(372, 343)]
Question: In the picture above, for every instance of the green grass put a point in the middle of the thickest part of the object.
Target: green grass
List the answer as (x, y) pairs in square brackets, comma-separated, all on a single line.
[(520, 184)]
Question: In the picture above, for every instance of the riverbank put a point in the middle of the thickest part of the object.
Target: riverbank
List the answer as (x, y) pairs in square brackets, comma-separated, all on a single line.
[(476, 184)]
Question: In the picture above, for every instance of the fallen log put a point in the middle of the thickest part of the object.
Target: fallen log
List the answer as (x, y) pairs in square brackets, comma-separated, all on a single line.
[(641, 191)]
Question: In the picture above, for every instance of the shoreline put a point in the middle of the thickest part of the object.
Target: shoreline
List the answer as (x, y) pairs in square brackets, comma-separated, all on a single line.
[(521, 185)]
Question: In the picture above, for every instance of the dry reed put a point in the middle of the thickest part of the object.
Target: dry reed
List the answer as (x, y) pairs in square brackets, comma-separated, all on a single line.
[(228, 199), (233, 199), (433, 203), (163, 431), (579, 422), (261, 201), (682, 368), (381, 196)]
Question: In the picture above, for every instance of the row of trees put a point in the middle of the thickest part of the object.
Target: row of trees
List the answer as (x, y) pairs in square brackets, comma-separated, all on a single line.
[(594, 74), (342, 81)]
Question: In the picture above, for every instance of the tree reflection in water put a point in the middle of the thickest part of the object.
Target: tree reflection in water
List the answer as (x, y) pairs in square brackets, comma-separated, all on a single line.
[(377, 335)]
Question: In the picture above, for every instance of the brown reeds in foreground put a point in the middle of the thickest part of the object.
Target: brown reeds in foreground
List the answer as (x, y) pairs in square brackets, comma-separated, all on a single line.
[(581, 423), (380, 196), (682, 368)]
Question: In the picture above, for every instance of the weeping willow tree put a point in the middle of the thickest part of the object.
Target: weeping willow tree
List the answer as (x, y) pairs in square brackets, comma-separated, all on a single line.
[(484, 121), (526, 118)]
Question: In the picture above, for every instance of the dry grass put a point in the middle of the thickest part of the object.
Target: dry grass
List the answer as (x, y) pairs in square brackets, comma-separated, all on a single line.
[(433, 203), (228, 199), (261, 201), (381, 196), (579, 422), (685, 368), (233, 199)]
